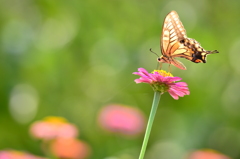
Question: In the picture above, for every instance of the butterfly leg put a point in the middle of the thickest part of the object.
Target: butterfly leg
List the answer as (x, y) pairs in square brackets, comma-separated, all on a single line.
[(159, 65), (169, 68)]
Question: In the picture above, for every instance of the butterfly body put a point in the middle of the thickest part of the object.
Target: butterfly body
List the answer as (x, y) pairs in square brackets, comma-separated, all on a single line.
[(175, 43)]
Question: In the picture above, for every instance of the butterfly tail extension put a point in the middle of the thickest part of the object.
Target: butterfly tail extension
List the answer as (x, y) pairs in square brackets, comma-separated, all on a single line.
[(213, 52)]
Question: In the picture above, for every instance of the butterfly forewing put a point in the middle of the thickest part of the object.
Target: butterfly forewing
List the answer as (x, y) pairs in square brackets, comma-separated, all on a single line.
[(173, 32)]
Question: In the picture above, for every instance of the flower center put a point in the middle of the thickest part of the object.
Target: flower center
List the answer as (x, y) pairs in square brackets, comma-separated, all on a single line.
[(163, 73), (53, 119)]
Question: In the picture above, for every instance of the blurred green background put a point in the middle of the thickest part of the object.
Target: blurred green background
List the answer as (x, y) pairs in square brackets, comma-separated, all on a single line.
[(71, 58)]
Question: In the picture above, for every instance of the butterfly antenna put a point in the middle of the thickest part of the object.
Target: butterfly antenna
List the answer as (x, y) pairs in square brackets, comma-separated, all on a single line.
[(154, 52)]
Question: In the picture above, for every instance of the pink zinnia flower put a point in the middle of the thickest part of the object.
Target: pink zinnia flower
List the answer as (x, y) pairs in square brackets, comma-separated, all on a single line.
[(122, 119), (207, 154), (162, 81), (70, 148), (53, 127), (13, 154)]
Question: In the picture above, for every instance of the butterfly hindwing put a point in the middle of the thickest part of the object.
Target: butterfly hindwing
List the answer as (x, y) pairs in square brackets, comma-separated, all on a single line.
[(191, 49)]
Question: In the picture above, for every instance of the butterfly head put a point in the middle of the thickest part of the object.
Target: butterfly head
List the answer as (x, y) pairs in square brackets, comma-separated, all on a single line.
[(163, 59)]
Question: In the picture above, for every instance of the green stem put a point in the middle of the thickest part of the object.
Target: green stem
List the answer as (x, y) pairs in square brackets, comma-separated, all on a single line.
[(155, 103)]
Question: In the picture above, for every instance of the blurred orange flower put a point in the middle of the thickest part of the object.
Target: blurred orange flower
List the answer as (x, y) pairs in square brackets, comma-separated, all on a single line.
[(207, 154), (70, 148), (13, 154), (122, 119), (53, 127)]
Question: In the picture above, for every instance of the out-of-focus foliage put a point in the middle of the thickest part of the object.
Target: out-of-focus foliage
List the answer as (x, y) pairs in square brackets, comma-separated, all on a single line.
[(71, 58)]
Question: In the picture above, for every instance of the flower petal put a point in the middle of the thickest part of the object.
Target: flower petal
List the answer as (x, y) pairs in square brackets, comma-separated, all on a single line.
[(158, 78), (173, 94), (143, 71), (172, 79), (182, 83), (142, 80), (179, 90)]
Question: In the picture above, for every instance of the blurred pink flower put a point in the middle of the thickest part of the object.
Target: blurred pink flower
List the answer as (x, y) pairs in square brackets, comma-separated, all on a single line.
[(162, 81), (122, 119), (13, 154), (70, 148), (207, 154), (53, 127)]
